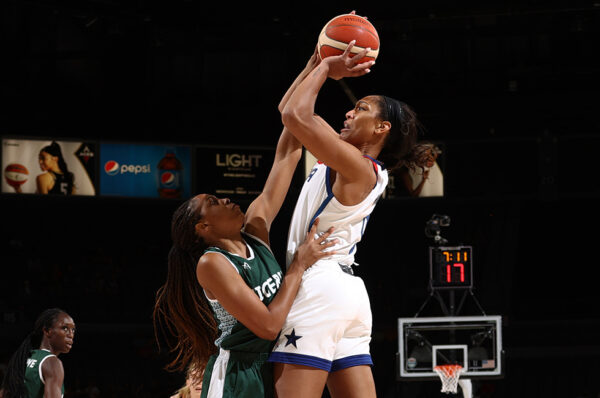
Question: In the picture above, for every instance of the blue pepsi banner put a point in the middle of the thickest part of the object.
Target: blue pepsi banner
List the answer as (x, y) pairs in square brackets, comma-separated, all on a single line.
[(152, 171)]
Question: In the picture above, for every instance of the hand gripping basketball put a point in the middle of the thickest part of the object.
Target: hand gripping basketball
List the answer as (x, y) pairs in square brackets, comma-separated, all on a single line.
[(347, 65)]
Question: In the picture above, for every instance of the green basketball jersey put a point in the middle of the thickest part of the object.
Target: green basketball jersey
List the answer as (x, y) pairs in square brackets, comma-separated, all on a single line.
[(241, 369), (34, 383), (263, 275)]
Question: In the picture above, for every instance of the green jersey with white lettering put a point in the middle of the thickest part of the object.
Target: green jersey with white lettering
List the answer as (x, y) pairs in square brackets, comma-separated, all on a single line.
[(263, 275), (240, 369), (34, 381)]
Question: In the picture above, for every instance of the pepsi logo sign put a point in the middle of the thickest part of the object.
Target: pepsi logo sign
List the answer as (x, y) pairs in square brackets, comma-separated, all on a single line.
[(111, 167), (167, 178)]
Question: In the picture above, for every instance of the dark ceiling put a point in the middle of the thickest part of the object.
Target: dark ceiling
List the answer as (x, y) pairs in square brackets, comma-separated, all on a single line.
[(186, 71)]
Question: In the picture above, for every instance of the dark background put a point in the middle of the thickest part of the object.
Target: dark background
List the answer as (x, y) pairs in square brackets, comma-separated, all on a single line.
[(511, 88)]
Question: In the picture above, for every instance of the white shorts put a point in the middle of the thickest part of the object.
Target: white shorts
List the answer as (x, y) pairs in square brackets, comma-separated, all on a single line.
[(329, 325)]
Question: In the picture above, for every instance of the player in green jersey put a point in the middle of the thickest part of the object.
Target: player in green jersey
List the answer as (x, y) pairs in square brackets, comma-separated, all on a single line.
[(34, 370), (226, 297)]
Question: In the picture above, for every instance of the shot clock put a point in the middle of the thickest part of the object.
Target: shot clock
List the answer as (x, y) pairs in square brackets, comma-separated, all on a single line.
[(450, 267)]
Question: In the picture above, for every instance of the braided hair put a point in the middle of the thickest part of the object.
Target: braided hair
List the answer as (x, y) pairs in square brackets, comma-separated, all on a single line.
[(181, 311)]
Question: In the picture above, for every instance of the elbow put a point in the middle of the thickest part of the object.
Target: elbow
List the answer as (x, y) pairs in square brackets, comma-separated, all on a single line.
[(294, 122), (271, 335), (268, 332), (289, 118)]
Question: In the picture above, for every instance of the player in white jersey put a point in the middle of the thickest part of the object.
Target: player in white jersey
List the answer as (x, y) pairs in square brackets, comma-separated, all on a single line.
[(326, 336)]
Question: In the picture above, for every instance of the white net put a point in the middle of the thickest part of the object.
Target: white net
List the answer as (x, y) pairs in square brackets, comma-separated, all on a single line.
[(449, 374)]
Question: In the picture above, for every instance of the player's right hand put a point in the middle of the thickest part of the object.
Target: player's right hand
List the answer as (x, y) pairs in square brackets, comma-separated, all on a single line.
[(314, 247), (345, 65)]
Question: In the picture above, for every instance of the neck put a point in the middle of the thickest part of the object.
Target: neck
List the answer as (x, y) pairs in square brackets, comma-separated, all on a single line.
[(235, 245), (46, 346), (371, 151)]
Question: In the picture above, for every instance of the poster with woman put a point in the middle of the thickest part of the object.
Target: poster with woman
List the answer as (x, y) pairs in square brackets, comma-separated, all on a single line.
[(48, 167)]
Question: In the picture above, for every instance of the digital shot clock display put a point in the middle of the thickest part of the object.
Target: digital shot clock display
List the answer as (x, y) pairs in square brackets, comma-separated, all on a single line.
[(451, 267)]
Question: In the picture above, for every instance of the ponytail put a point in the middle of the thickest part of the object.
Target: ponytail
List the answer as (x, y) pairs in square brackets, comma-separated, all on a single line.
[(54, 150), (401, 142)]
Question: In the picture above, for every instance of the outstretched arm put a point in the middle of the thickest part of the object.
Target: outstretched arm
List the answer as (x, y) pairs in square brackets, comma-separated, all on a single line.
[(312, 63), (263, 210), (316, 135)]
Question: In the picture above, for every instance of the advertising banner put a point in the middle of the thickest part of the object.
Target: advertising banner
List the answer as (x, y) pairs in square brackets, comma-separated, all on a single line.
[(49, 167), (236, 173), (152, 171)]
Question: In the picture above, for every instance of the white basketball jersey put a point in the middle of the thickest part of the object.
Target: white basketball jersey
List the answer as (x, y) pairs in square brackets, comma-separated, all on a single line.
[(317, 200)]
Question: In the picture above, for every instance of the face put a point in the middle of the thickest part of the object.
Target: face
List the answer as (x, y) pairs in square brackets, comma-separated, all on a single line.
[(361, 121), (61, 335), (431, 159), (47, 161), (195, 386), (218, 217)]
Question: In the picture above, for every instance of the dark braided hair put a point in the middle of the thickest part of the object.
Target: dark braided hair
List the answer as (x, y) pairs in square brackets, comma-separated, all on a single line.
[(181, 311), (401, 147), (12, 385)]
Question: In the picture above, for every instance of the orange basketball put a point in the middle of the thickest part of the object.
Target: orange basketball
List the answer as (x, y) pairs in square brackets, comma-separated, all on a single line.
[(341, 30), (16, 174)]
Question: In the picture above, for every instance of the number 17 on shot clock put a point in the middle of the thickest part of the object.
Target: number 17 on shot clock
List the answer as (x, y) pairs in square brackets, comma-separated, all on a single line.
[(450, 267)]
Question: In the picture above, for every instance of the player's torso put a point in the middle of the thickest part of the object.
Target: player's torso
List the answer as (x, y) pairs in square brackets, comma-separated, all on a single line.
[(262, 273), (316, 199)]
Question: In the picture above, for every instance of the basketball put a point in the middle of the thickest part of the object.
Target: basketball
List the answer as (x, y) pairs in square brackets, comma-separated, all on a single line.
[(341, 30), (16, 174)]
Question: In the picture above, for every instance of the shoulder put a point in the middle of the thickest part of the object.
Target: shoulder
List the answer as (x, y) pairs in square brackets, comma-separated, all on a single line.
[(52, 366), (257, 227), (44, 177), (213, 263), (211, 260)]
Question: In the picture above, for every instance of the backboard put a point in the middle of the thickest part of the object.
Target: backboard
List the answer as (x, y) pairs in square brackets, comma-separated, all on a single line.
[(474, 342)]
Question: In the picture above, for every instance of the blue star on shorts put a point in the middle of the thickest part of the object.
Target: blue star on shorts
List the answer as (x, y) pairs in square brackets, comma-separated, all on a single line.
[(292, 338)]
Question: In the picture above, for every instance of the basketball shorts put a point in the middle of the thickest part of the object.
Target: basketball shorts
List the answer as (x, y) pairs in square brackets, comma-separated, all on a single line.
[(235, 374), (329, 325)]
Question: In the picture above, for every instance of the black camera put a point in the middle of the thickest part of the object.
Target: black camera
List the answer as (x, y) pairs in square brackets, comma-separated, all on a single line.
[(433, 228)]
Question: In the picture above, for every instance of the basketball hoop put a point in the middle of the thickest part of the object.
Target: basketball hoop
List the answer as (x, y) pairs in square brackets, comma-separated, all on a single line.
[(449, 374)]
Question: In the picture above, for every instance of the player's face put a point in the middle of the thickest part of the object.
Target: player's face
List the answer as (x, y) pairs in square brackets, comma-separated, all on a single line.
[(61, 334), (361, 121), (221, 215), (47, 161)]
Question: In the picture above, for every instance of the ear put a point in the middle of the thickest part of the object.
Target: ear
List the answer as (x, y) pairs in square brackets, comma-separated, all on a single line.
[(201, 227), (383, 127)]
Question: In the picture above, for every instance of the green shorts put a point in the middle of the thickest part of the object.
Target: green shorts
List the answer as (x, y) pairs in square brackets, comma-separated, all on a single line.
[(236, 374)]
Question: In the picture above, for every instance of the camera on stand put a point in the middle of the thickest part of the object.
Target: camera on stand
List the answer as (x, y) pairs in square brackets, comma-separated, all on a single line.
[(433, 228)]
